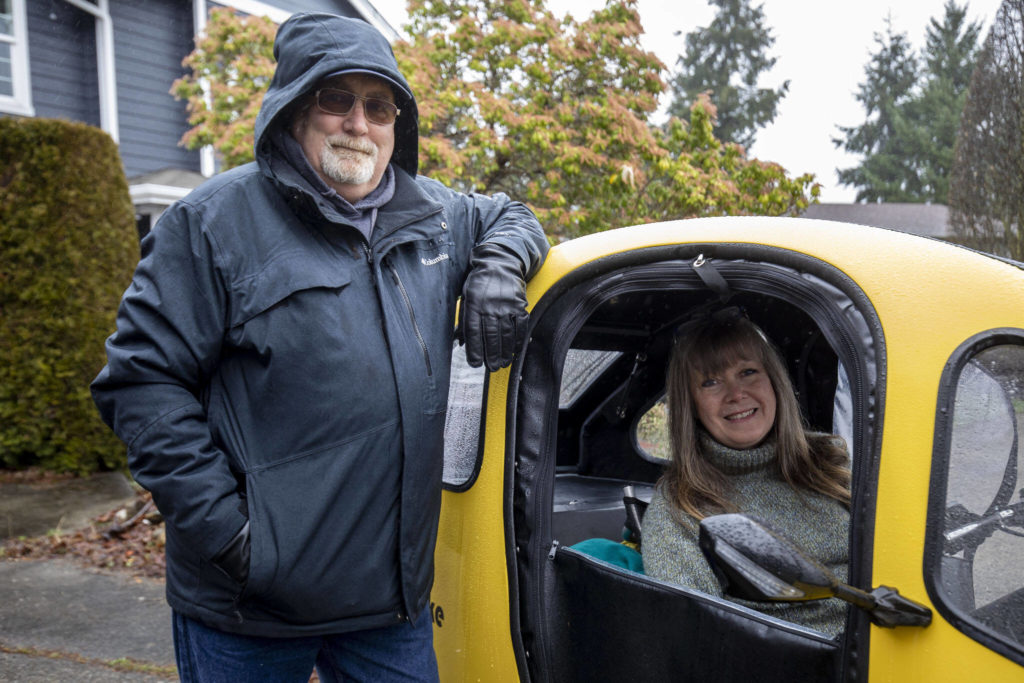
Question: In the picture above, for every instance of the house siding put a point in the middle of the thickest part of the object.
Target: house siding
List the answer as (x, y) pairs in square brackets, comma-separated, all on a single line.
[(333, 7), (62, 62), (151, 37)]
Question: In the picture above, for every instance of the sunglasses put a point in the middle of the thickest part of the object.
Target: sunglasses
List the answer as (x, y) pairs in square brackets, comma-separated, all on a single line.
[(340, 103)]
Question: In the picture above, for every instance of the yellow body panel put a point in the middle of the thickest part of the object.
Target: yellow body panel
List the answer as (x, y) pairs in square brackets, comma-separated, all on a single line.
[(930, 298), (474, 642)]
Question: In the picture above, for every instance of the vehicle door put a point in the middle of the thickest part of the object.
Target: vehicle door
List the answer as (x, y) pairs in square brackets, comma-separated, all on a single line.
[(593, 370)]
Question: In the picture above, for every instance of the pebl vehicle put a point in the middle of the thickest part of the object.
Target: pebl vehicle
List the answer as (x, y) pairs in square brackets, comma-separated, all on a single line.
[(911, 349)]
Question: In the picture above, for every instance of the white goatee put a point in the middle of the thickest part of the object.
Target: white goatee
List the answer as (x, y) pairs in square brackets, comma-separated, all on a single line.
[(348, 160)]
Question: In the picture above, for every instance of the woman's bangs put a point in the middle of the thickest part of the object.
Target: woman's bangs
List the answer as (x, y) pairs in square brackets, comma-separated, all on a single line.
[(713, 353)]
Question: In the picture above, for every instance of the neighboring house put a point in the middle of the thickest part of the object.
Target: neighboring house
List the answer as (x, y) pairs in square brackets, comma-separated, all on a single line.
[(111, 63), (929, 220)]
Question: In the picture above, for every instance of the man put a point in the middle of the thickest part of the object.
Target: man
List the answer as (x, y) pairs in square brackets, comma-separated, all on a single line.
[(280, 372)]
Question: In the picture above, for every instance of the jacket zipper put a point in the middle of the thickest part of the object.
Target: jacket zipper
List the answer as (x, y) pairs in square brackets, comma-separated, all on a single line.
[(376, 290), (412, 314)]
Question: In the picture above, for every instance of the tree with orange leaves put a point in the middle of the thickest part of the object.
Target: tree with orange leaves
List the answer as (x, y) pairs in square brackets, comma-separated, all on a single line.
[(556, 113), (230, 69)]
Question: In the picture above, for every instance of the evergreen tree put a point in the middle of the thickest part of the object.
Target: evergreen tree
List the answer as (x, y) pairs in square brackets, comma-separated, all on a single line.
[(727, 58), (886, 173), (986, 194), (913, 107), (929, 122)]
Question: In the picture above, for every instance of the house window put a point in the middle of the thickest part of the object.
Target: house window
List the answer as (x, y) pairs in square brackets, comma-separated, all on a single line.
[(15, 95)]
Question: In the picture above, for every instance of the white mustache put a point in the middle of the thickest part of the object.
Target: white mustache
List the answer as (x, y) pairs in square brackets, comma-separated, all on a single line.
[(355, 144)]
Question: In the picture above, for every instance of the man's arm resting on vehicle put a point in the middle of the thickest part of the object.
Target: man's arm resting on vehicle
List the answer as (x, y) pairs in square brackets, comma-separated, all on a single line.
[(511, 247), (493, 309)]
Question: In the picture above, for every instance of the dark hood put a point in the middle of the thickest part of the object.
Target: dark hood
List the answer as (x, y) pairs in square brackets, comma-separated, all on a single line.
[(310, 47)]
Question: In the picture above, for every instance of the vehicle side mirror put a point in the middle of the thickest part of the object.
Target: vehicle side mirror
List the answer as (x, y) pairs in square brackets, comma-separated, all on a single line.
[(755, 562)]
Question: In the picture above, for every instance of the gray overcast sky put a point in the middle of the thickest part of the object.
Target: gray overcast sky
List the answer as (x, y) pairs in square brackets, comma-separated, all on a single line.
[(822, 48)]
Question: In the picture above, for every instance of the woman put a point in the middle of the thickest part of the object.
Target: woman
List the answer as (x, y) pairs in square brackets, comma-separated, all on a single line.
[(739, 445)]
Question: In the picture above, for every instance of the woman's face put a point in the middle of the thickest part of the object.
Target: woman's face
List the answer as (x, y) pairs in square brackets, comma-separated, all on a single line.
[(737, 405)]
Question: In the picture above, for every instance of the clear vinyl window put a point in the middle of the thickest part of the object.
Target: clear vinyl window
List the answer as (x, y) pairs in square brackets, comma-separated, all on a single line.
[(464, 421), (652, 437), (980, 538)]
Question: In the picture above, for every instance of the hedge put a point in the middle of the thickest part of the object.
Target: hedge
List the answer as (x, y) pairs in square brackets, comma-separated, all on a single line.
[(68, 246)]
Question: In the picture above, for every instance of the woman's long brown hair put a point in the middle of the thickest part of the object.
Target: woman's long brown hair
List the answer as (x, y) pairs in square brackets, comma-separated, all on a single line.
[(806, 460)]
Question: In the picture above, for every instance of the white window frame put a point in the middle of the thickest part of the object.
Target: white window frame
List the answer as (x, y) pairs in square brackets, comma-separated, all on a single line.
[(20, 103)]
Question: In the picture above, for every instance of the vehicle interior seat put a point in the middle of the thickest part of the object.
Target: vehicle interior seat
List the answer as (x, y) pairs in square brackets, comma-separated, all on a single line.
[(591, 507)]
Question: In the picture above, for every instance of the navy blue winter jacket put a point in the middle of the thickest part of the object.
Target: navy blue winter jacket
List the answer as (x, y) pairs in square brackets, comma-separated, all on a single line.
[(270, 364)]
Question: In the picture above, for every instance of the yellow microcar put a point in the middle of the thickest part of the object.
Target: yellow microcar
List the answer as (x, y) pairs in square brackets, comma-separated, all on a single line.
[(912, 349)]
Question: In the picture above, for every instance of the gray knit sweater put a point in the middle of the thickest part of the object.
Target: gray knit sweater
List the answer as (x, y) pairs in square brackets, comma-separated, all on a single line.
[(816, 523)]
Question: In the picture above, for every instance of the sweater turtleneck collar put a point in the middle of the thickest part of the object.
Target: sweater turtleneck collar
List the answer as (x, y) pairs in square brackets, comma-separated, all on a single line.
[(732, 461)]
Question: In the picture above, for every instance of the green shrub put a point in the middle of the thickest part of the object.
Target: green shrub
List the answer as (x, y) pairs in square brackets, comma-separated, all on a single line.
[(68, 246)]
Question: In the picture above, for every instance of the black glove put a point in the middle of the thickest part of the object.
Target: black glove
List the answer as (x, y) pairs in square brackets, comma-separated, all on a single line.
[(233, 559), (493, 312)]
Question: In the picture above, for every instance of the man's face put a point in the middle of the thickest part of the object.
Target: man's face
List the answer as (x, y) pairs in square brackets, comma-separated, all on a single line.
[(348, 151)]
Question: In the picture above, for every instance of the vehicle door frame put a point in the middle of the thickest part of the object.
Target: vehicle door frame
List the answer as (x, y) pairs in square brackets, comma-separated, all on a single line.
[(832, 299)]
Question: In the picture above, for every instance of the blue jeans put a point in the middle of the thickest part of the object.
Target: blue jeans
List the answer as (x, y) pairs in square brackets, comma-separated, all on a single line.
[(404, 652)]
